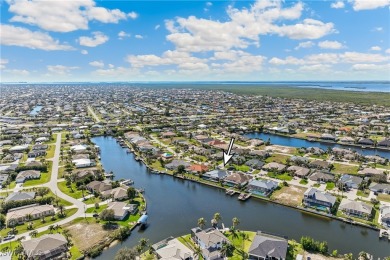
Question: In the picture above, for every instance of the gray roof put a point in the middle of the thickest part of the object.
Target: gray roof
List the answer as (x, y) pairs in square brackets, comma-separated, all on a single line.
[(358, 206), (346, 178), (220, 174), (47, 245), (265, 184), (264, 245), (320, 196), (17, 196)]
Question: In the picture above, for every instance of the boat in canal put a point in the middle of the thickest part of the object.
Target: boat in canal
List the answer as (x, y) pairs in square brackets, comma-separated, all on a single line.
[(230, 192), (244, 196)]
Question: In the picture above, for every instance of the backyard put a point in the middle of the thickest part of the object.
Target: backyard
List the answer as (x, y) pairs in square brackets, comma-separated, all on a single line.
[(289, 195)]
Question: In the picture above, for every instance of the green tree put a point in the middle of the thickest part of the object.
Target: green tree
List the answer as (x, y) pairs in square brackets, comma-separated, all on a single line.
[(107, 215), (126, 253), (201, 222), (131, 192), (235, 222)]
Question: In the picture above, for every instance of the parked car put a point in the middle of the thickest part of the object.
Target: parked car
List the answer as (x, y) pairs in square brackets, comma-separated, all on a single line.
[(9, 237)]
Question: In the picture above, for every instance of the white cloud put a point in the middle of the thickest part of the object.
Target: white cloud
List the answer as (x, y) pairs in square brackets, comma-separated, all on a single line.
[(157, 27), (377, 29), (330, 58), (122, 35), (168, 58), (138, 36), (305, 45), (369, 4), (62, 16), (60, 69), (371, 67), (388, 51), (209, 4), (335, 45), (3, 62), (133, 15), (97, 39), (358, 57), (243, 27), (315, 68), (96, 63), (19, 36), (376, 48), (84, 52), (338, 5), (18, 72)]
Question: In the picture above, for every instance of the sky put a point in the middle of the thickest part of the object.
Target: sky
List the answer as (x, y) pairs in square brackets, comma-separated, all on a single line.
[(263, 40)]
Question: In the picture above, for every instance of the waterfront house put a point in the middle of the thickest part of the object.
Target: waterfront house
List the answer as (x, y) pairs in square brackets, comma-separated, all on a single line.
[(262, 187), (82, 163), (328, 137), (355, 208), (215, 175), (27, 175), (171, 249), (98, 186), (298, 171), (318, 199), (210, 242), (30, 212), (49, 246), (385, 215), (268, 246), (384, 143), (172, 166), (238, 179), (321, 177), (366, 141), (350, 181), (121, 209), (197, 168), (118, 193), (276, 167), (19, 196), (79, 148), (380, 187)]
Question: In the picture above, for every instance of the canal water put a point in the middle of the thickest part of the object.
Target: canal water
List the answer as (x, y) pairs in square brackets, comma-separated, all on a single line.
[(36, 110), (175, 205), (297, 142)]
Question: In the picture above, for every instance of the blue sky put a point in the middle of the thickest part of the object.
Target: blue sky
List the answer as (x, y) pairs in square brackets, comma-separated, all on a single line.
[(260, 40)]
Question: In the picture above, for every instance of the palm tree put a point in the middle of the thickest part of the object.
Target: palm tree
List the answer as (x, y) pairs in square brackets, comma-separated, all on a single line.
[(363, 256), (61, 208), (235, 222), (244, 238), (143, 242), (33, 233), (51, 228), (201, 222), (217, 217)]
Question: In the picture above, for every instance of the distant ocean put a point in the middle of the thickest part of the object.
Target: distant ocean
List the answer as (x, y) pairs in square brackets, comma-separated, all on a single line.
[(363, 86)]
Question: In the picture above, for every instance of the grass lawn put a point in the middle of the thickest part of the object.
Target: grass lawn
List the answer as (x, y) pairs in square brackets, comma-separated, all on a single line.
[(92, 200), (157, 166), (279, 158), (9, 247), (77, 194), (240, 244), (345, 169), (289, 195), (255, 171), (384, 197), (362, 194), (98, 210), (316, 185), (242, 168), (50, 151), (45, 177), (284, 176), (37, 223), (330, 185), (371, 221), (303, 181)]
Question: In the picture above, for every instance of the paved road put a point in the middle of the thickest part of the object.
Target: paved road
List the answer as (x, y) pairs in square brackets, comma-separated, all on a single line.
[(93, 114), (52, 184)]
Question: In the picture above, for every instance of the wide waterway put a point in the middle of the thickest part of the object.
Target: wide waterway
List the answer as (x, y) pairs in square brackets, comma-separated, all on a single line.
[(297, 142), (175, 205)]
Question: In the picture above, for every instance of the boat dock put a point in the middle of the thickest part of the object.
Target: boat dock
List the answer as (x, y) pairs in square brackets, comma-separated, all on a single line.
[(127, 182), (384, 234), (244, 196), (230, 192)]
